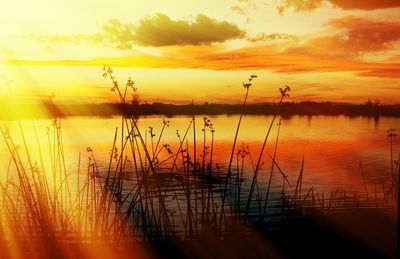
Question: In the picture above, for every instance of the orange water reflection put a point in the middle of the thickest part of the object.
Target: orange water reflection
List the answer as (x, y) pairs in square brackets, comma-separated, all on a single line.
[(339, 152)]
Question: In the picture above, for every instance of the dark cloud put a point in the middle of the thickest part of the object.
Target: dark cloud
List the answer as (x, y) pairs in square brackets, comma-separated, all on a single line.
[(160, 30)]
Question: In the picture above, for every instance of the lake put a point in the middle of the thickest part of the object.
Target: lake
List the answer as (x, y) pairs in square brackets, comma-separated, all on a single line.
[(350, 153)]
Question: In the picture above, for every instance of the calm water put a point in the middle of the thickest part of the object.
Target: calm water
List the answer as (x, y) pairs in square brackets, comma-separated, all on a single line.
[(339, 152)]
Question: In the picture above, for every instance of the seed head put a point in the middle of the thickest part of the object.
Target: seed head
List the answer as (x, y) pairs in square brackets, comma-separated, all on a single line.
[(285, 91)]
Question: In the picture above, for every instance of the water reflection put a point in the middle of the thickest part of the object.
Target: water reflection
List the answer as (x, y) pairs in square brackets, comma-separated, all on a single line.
[(333, 147)]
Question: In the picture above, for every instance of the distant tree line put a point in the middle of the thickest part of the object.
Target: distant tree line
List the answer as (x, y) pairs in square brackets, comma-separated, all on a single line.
[(370, 108)]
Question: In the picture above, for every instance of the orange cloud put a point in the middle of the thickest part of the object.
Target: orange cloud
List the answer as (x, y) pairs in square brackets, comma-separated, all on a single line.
[(254, 58), (366, 4), (310, 5), (290, 62), (363, 35)]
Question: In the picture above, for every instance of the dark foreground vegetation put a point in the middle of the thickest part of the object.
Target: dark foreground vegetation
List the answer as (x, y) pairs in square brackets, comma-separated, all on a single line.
[(154, 201)]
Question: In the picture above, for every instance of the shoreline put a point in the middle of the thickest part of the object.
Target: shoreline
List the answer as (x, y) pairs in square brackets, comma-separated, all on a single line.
[(288, 109)]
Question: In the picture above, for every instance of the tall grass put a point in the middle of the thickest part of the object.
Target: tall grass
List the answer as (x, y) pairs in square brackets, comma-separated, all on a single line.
[(147, 191)]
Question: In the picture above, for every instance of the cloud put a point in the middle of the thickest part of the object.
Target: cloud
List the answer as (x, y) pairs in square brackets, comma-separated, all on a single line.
[(242, 7), (310, 5), (114, 34), (355, 36), (393, 72), (270, 37), (119, 35), (366, 4), (158, 30), (255, 58), (238, 9), (299, 5), (291, 62)]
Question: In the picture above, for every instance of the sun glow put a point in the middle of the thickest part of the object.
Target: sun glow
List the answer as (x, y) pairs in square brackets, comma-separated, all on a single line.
[(198, 128), (56, 51)]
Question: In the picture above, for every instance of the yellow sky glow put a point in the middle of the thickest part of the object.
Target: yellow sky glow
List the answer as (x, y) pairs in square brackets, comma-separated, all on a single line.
[(333, 52)]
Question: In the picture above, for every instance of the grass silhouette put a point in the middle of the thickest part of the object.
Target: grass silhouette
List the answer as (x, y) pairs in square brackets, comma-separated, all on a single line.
[(150, 192)]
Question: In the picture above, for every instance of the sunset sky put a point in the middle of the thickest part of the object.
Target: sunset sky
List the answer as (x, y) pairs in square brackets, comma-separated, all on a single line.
[(176, 51)]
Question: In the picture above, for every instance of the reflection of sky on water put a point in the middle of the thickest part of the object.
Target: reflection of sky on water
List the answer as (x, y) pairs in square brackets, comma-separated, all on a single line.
[(338, 151)]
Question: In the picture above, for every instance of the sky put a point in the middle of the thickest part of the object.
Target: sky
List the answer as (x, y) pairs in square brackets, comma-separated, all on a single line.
[(179, 51)]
